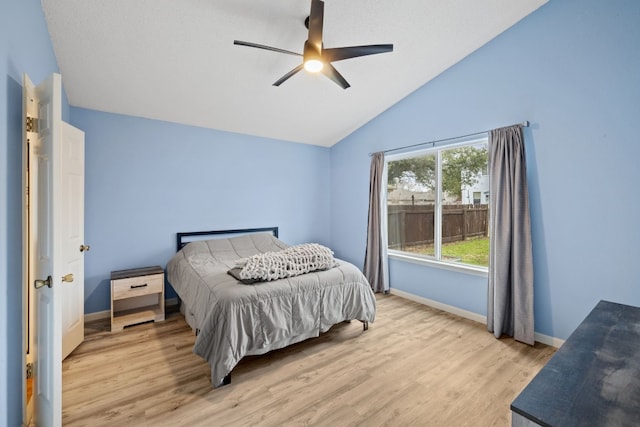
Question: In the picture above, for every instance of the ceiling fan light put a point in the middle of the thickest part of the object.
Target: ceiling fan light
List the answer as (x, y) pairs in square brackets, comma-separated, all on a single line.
[(313, 65)]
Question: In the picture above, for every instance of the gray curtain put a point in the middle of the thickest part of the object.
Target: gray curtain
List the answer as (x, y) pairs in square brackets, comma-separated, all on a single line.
[(375, 259), (510, 299)]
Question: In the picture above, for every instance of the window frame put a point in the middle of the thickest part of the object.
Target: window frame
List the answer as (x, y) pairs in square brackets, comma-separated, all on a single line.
[(427, 260)]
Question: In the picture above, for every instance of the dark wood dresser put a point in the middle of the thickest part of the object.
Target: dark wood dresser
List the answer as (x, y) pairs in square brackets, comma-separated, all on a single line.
[(593, 379)]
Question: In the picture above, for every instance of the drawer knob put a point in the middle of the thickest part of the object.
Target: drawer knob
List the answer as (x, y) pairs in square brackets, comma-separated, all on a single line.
[(138, 286)]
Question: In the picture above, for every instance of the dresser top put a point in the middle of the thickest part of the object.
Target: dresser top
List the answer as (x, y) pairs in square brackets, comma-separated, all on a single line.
[(594, 378), (136, 272)]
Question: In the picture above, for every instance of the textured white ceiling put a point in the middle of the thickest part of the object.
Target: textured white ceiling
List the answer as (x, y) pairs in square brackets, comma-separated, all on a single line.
[(175, 60)]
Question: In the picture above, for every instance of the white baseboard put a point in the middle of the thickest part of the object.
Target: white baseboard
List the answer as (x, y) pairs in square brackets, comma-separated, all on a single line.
[(544, 339), (106, 314), (97, 315), (444, 307)]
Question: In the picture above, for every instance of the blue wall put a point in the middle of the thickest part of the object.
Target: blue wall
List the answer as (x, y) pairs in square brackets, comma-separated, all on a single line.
[(572, 68), (25, 47), (147, 180)]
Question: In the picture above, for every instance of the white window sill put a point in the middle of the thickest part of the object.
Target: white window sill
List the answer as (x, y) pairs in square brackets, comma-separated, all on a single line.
[(421, 260)]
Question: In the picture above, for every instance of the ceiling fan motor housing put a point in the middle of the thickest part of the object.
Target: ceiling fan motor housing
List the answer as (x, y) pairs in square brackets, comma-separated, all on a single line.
[(311, 52)]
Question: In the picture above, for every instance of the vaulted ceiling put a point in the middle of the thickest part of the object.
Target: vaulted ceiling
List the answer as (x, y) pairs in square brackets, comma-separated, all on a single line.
[(175, 60)]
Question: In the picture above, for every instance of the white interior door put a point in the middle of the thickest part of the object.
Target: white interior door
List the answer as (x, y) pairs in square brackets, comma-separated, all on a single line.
[(73, 248), (29, 109), (45, 246)]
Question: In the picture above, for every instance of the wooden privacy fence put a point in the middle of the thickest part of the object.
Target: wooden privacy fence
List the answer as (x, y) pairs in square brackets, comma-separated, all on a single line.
[(413, 225)]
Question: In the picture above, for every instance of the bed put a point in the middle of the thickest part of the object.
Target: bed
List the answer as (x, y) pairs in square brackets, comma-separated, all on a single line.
[(233, 319)]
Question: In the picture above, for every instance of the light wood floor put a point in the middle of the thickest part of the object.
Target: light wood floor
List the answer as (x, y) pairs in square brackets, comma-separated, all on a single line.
[(415, 366)]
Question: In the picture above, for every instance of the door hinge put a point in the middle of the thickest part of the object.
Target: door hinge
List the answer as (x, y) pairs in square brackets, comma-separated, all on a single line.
[(31, 124), (29, 370)]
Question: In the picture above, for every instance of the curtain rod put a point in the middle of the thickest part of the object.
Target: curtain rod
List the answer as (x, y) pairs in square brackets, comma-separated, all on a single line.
[(523, 124)]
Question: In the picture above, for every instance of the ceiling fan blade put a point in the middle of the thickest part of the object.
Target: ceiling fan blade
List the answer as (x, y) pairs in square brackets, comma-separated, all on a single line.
[(289, 74), (261, 46), (340, 53), (316, 19), (329, 71)]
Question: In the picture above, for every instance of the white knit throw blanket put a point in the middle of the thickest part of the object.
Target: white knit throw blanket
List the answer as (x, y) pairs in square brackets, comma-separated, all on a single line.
[(289, 262)]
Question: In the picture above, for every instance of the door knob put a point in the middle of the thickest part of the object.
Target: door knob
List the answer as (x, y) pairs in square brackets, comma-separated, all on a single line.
[(84, 248), (40, 283), (68, 278)]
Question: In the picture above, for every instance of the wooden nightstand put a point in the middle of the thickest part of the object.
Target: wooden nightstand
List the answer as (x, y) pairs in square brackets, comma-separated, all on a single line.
[(137, 295)]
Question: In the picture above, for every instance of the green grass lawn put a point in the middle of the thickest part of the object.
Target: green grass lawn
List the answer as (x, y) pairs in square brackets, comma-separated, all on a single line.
[(474, 251)]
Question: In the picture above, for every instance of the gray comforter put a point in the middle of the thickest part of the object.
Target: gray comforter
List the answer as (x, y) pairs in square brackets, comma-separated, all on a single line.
[(235, 319)]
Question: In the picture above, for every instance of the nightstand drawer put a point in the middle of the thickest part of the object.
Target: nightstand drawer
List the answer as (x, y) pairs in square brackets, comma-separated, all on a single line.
[(137, 286)]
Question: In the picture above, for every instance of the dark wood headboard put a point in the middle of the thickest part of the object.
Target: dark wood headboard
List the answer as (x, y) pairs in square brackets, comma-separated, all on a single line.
[(183, 238)]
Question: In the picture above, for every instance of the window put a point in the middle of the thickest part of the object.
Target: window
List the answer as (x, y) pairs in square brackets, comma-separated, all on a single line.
[(476, 197), (438, 204)]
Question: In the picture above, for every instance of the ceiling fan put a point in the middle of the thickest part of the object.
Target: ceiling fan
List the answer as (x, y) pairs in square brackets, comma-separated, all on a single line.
[(315, 57)]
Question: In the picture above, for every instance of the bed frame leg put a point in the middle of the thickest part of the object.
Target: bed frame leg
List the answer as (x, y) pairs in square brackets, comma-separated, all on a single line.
[(365, 325), (227, 380)]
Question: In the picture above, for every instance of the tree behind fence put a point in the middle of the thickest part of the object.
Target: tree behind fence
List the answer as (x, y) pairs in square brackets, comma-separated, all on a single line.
[(413, 225)]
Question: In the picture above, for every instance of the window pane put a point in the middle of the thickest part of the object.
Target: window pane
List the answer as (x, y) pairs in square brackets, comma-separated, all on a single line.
[(465, 209), (476, 197), (411, 195)]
